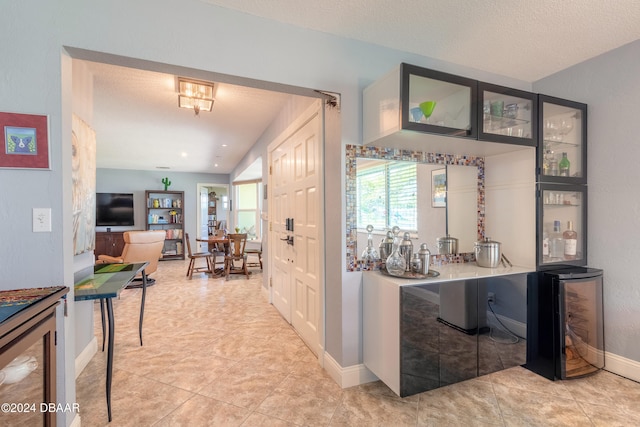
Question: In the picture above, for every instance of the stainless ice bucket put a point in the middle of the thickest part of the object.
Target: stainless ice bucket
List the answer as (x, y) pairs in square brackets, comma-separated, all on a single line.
[(447, 245), (488, 253)]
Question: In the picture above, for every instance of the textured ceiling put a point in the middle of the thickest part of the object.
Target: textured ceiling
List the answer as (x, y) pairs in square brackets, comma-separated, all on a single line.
[(523, 39)]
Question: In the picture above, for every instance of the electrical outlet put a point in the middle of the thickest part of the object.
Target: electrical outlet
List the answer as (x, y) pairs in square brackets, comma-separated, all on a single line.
[(491, 298)]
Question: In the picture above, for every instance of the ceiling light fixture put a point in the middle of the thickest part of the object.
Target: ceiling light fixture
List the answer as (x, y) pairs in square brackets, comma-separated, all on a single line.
[(195, 95)]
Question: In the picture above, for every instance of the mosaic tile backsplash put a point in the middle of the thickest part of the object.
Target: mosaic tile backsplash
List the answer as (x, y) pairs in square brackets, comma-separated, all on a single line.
[(354, 152)]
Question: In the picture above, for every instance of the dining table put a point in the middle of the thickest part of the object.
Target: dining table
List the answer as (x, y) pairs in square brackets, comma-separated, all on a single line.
[(214, 242)]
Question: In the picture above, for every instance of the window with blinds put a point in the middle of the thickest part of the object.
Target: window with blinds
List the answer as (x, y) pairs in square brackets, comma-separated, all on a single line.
[(387, 196)]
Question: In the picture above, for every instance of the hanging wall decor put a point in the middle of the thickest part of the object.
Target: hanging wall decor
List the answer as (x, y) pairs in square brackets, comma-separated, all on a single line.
[(83, 176), (25, 141)]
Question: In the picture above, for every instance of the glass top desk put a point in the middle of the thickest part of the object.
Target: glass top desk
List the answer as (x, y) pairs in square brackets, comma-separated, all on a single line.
[(104, 282)]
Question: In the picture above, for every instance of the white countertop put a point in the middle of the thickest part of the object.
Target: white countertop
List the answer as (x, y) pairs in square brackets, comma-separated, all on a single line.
[(451, 272)]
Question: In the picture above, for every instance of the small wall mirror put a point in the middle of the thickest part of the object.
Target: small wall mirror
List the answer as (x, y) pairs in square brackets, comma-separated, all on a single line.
[(426, 194)]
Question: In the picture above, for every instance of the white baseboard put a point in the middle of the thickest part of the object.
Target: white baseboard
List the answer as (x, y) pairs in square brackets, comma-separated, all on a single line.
[(85, 357), (266, 293), (349, 376), (76, 421), (622, 366)]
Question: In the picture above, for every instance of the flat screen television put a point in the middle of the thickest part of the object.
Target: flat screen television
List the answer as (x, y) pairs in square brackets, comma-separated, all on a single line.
[(114, 209)]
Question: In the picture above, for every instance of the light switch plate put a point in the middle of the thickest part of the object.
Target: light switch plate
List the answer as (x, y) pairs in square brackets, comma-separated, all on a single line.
[(41, 220)]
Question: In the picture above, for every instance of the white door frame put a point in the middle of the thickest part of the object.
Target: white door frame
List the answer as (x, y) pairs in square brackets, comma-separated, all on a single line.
[(199, 186)]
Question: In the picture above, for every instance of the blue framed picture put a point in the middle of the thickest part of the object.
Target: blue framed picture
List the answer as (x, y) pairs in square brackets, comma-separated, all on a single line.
[(25, 143), (439, 188)]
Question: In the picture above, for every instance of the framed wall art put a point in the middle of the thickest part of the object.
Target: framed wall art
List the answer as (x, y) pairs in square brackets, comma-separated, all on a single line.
[(439, 188), (25, 141)]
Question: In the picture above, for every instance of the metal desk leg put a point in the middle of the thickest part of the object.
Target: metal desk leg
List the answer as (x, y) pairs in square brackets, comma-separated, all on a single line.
[(102, 315), (109, 355), (144, 293)]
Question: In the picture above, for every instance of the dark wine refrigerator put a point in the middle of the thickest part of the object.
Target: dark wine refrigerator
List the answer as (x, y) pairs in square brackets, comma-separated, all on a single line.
[(565, 330)]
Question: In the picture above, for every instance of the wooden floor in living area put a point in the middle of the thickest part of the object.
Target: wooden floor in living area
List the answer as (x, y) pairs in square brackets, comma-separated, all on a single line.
[(216, 353)]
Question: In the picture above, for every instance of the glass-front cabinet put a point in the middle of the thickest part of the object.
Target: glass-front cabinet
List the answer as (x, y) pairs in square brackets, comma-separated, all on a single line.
[(562, 225), (421, 100), (562, 152), (437, 102), (508, 115)]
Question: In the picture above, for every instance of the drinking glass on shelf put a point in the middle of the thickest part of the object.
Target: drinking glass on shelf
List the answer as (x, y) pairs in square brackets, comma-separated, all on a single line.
[(550, 130), (497, 108), (565, 126), (511, 111), (427, 108), (416, 114)]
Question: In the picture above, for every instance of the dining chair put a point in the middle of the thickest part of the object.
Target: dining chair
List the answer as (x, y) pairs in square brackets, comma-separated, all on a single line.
[(237, 244), (255, 252), (198, 255), (218, 250)]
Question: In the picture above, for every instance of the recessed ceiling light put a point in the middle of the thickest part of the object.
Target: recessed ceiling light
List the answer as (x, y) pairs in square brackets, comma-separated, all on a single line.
[(183, 154), (224, 145), (215, 165)]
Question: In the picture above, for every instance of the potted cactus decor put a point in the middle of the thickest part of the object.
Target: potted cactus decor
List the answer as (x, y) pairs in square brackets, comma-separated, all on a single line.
[(166, 183)]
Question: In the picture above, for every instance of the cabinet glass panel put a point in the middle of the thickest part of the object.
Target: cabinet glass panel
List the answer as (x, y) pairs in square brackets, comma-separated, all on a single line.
[(438, 102), (563, 142), (21, 383), (563, 226), (507, 115)]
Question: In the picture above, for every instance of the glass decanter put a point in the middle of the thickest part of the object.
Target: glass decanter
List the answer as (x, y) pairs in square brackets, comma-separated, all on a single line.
[(386, 246), (396, 263), (370, 254)]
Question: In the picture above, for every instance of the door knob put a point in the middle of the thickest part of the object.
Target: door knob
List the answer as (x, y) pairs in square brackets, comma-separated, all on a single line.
[(289, 240)]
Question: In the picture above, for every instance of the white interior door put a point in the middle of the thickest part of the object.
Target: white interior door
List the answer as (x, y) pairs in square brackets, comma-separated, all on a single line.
[(296, 194), (281, 253), (306, 268)]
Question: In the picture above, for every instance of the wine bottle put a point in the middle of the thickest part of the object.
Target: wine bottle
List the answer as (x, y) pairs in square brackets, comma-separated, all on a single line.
[(553, 165), (545, 160), (556, 243), (570, 242), (564, 165)]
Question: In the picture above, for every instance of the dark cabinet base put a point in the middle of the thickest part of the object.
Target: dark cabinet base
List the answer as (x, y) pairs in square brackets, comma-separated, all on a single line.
[(109, 243), (449, 333)]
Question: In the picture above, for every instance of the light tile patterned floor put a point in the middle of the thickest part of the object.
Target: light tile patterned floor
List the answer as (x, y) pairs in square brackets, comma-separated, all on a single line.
[(215, 353)]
